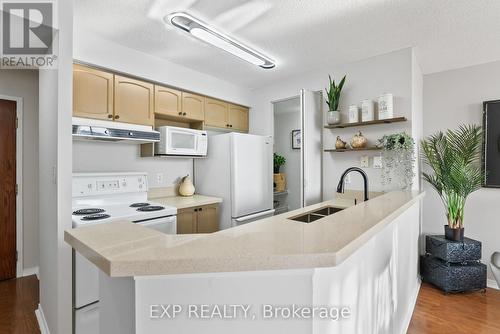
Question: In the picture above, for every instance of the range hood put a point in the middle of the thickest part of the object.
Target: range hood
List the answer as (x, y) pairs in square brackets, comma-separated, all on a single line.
[(92, 129)]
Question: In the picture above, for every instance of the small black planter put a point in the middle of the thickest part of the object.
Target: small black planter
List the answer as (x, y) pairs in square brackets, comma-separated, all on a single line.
[(276, 170), (455, 234)]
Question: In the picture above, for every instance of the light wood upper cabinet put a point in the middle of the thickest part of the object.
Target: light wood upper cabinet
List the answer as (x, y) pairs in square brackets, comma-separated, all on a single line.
[(238, 118), (208, 219), (216, 113), (168, 101), (193, 106), (92, 93), (186, 221), (134, 101)]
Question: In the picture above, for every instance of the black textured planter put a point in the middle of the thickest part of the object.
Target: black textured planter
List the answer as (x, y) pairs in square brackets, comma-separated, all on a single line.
[(468, 250), (455, 234), (276, 170), (453, 277)]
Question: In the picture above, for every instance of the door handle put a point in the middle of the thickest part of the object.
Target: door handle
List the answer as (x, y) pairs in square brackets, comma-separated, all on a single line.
[(256, 215)]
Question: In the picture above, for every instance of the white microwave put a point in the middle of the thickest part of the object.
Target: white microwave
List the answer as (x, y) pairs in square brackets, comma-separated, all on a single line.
[(181, 141)]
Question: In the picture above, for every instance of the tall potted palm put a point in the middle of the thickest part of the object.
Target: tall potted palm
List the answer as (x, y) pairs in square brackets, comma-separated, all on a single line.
[(454, 158)]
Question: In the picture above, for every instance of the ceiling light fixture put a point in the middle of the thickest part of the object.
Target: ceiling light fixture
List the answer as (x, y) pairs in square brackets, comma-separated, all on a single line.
[(209, 35)]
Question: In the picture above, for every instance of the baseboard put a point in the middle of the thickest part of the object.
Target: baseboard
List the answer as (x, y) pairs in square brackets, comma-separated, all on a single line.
[(42, 323), (491, 283), (413, 304), (31, 271)]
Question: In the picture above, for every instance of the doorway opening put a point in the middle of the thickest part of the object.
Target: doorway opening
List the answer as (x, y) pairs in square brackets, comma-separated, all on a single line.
[(298, 126), (287, 144)]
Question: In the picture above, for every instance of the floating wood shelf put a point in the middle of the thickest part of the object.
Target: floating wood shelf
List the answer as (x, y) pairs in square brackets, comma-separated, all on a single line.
[(379, 121), (374, 148)]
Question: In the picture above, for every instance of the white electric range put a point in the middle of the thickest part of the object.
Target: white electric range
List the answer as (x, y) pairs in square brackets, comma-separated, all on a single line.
[(99, 198)]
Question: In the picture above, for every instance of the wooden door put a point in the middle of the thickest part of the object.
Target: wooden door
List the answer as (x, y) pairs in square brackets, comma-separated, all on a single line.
[(92, 93), (193, 106), (134, 101), (238, 118), (186, 221), (216, 113), (168, 101), (208, 219), (7, 189)]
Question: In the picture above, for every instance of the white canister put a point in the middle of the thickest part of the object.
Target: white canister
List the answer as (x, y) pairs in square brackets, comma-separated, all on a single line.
[(353, 114), (367, 110), (385, 106)]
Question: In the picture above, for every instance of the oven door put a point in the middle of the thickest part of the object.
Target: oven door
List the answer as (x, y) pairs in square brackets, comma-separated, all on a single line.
[(167, 225)]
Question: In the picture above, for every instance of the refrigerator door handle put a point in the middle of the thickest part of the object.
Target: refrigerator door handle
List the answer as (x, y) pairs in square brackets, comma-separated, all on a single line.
[(255, 215)]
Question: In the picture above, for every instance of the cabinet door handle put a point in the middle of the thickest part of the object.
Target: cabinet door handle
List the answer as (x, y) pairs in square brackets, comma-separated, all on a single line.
[(180, 113), (110, 116), (231, 126), (184, 114), (195, 210), (117, 116), (200, 209)]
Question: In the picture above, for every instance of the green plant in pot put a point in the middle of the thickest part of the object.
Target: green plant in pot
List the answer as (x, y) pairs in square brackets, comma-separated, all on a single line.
[(455, 160), (333, 100), (279, 161)]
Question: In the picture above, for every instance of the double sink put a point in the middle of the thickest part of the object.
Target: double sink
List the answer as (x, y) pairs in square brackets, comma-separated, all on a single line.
[(309, 217)]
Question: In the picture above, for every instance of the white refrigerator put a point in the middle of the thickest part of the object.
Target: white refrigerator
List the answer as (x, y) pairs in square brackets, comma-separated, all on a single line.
[(239, 169)]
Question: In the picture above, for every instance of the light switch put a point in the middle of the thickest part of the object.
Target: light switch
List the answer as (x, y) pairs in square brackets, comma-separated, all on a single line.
[(377, 162), (365, 161)]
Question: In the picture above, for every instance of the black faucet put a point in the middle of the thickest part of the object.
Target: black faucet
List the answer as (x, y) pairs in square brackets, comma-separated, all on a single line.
[(340, 186)]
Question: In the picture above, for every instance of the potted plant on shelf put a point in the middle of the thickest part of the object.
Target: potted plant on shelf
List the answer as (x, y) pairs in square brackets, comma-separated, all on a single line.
[(398, 160), (454, 158), (333, 100), (279, 178)]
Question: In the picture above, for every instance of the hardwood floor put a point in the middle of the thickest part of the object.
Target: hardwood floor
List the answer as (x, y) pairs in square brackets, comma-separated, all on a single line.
[(470, 313), (18, 301)]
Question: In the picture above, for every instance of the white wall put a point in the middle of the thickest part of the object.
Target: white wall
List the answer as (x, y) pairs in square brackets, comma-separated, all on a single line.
[(284, 123), (452, 98), (392, 73), (55, 100), (24, 84), (113, 157), (104, 157)]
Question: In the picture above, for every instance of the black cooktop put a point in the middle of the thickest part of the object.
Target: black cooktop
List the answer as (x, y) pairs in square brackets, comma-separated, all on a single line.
[(89, 211), (151, 208), (97, 216), (139, 205)]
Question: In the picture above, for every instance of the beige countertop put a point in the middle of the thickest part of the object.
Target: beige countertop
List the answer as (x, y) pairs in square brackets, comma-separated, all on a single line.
[(181, 202), (127, 249)]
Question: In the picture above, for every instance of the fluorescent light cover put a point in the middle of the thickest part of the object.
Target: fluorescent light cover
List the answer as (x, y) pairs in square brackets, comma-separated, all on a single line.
[(207, 34), (220, 43)]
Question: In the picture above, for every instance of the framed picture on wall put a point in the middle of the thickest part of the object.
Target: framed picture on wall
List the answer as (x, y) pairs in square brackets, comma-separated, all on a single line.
[(296, 139)]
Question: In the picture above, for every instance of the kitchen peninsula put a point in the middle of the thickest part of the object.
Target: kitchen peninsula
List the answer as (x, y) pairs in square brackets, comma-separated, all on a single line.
[(363, 259)]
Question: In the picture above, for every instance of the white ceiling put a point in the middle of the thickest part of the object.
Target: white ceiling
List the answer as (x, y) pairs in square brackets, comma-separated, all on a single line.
[(302, 35)]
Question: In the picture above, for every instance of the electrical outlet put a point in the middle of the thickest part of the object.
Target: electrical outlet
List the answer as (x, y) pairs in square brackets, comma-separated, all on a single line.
[(365, 161), (159, 178), (377, 162)]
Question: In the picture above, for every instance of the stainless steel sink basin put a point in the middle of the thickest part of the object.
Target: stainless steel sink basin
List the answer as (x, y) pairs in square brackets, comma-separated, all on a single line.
[(309, 217), (326, 211)]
